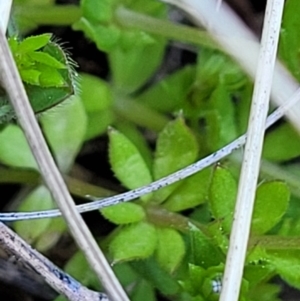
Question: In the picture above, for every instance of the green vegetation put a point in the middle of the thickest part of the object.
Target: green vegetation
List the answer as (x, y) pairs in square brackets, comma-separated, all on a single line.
[(172, 241)]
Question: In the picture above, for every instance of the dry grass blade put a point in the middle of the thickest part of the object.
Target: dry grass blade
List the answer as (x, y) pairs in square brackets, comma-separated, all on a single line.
[(253, 149), (12, 83), (57, 279)]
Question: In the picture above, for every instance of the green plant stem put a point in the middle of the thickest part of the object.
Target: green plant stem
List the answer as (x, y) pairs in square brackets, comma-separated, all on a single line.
[(61, 15), (139, 114), (164, 218), (77, 187), (130, 19), (275, 242)]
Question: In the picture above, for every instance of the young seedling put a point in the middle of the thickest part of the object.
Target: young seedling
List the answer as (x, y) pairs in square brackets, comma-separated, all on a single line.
[(46, 70)]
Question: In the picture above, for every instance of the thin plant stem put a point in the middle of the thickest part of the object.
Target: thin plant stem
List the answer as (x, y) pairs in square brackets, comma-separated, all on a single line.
[(168, 180), (183, 33), (59, 15), (13, 85), (239, 235)]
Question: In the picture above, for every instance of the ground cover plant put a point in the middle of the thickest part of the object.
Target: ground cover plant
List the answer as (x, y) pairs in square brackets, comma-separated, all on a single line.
[(170, 244)]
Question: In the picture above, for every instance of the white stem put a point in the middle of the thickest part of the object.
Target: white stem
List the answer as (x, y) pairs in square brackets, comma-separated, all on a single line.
[(5, 7), (13, 85), (253, 149)]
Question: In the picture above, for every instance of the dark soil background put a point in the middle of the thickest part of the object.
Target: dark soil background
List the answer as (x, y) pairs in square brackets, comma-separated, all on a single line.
[(15, 280)]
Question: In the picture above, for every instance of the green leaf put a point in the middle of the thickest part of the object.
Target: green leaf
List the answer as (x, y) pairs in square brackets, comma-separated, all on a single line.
[(136, 241), (14, 149), (57, 87), (126, 161), (191, 193), (134, 134), (172, 90), (33, 43), (51, 234), (131, 68), (143, 290), (221, 101), (39, 199), (65, 130), (176, 148), (51, 78), (170, 249), (46, 59), (282, 144), (222, 197), (79, 268), (286, 263), (105, 37), (256, 273), (100, 11), (203, 251), (272, 199), (290, 37), (98, 105), (124, 213), (193, 284), (150, 270), (31, 76)]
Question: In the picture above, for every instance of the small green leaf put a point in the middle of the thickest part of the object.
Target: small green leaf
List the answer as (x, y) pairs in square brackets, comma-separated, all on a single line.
[(100, 11), (79, 268), (170, 249), (39, 199), (136, 241), (286, 263), (126, 161), (46, 59), (98, 105), (59, 84), (221, 101), (31, 76), (290, 37), (196, 277), (51, 78), (173, 90), (105, 37), (65, 130), (203, 251), (124, 213), (282, 144), (34, 43), (222, 196), (272, 199), (256, 273), (176, 148), (143, 290), (191, 193), (159, 278), (14, 149), (51, 234), (132, 67)]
